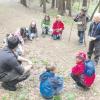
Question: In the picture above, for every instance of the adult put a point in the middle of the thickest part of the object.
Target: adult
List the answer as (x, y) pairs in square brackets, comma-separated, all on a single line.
[(11, 72), (82, 19), (94, 38)]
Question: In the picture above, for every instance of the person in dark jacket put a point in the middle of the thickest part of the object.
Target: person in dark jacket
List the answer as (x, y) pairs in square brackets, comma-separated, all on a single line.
[(11, 72), (82, 19), (94, 38), (50, 84), (32, 32)]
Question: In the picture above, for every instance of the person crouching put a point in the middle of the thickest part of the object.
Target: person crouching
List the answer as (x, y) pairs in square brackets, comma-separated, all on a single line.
[(58, 27), (80, 72), (50, 84)]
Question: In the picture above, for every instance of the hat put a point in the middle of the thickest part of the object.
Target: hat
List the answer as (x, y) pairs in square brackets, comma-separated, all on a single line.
[(81, 55)]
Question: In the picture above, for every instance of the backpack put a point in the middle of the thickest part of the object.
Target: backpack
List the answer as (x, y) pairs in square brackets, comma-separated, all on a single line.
[(89, 68)]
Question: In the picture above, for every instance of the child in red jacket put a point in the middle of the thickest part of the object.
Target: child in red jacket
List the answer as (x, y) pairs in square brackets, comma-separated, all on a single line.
[(78, 72), (58, 27)]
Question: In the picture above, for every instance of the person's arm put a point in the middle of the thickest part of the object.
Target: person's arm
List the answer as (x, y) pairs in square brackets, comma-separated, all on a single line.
[(90, 29), (78, 70), (98, 30), (76, 18), (14, 64)]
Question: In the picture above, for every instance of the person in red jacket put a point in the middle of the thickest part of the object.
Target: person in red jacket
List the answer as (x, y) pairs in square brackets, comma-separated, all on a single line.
[(58, 27), (78, 72)]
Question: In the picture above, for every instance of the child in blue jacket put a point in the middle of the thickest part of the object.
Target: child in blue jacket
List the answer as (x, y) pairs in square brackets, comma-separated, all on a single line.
[(50, 84)]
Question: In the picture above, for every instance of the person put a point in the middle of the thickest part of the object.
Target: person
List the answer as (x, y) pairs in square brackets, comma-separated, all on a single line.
[(58, 27), (32, 31), (45, 25), (82, 19), (20, 49), (50, 84), (94, 38), (83, 73), (11, 71)]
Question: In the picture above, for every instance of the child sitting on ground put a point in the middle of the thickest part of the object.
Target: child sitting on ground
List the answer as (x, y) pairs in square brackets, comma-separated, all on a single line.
[(50, 84), (45, 25), (58, 27), (83, 73), (32, 32)]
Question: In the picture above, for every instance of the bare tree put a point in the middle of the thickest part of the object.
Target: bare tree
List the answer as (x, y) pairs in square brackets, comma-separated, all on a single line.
[(84, 3), (23, 2), (53, 4)]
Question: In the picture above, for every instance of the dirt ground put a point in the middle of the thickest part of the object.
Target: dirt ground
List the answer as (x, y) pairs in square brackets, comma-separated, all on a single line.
[(42, 51)]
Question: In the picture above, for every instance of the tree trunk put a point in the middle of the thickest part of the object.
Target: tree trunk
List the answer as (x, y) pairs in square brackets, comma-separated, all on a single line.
[(61, 7), (23, 2), (84, 3), (53, 4), (69, 7), (44, 6), (95, 10)]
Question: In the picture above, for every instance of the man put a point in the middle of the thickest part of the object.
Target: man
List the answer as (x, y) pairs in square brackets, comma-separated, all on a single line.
[(82, 20), (94, 38), (11, 72)]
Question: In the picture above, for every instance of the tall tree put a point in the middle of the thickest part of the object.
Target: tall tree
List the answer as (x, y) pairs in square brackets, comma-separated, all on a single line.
[(44, 6), (53, 4), (61, 6), (69, 7), (23, 2), (84, 3)]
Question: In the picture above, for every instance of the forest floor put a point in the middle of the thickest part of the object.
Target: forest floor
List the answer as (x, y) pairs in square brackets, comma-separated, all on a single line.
[(42, 51)]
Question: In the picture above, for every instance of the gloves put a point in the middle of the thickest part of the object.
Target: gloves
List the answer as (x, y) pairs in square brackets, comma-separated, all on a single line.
[(92, 38)]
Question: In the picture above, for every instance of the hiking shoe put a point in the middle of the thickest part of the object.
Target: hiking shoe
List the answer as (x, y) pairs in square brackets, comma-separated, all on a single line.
[(9, 87)]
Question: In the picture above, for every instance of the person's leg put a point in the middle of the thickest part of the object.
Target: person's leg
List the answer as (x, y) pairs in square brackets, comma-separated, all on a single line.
[(47, 30), (75, 78), (10, 81), (81, 36), (43, 31), (91, 48), (54, 37), (97, 52), (78, 81)]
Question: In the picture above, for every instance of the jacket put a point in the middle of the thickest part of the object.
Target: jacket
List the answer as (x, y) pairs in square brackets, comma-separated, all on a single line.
[(94, 30), (9, 62), (50, 84), (79, 70), (57, 25), (81, 21)]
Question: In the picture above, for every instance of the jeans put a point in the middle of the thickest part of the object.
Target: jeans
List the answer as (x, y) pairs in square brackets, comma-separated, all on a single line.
[(81, 36)]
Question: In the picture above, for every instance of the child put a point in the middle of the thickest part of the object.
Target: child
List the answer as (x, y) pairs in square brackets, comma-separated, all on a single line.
[(32, 32), (83, 73), (45, 25), (58, 27), (81, 20), (94, 37), (50, 84)]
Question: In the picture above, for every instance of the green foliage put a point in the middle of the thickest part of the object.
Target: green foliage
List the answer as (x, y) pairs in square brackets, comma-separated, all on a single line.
[(70, 96), (4, 98), (57, 97), (44, 62)]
